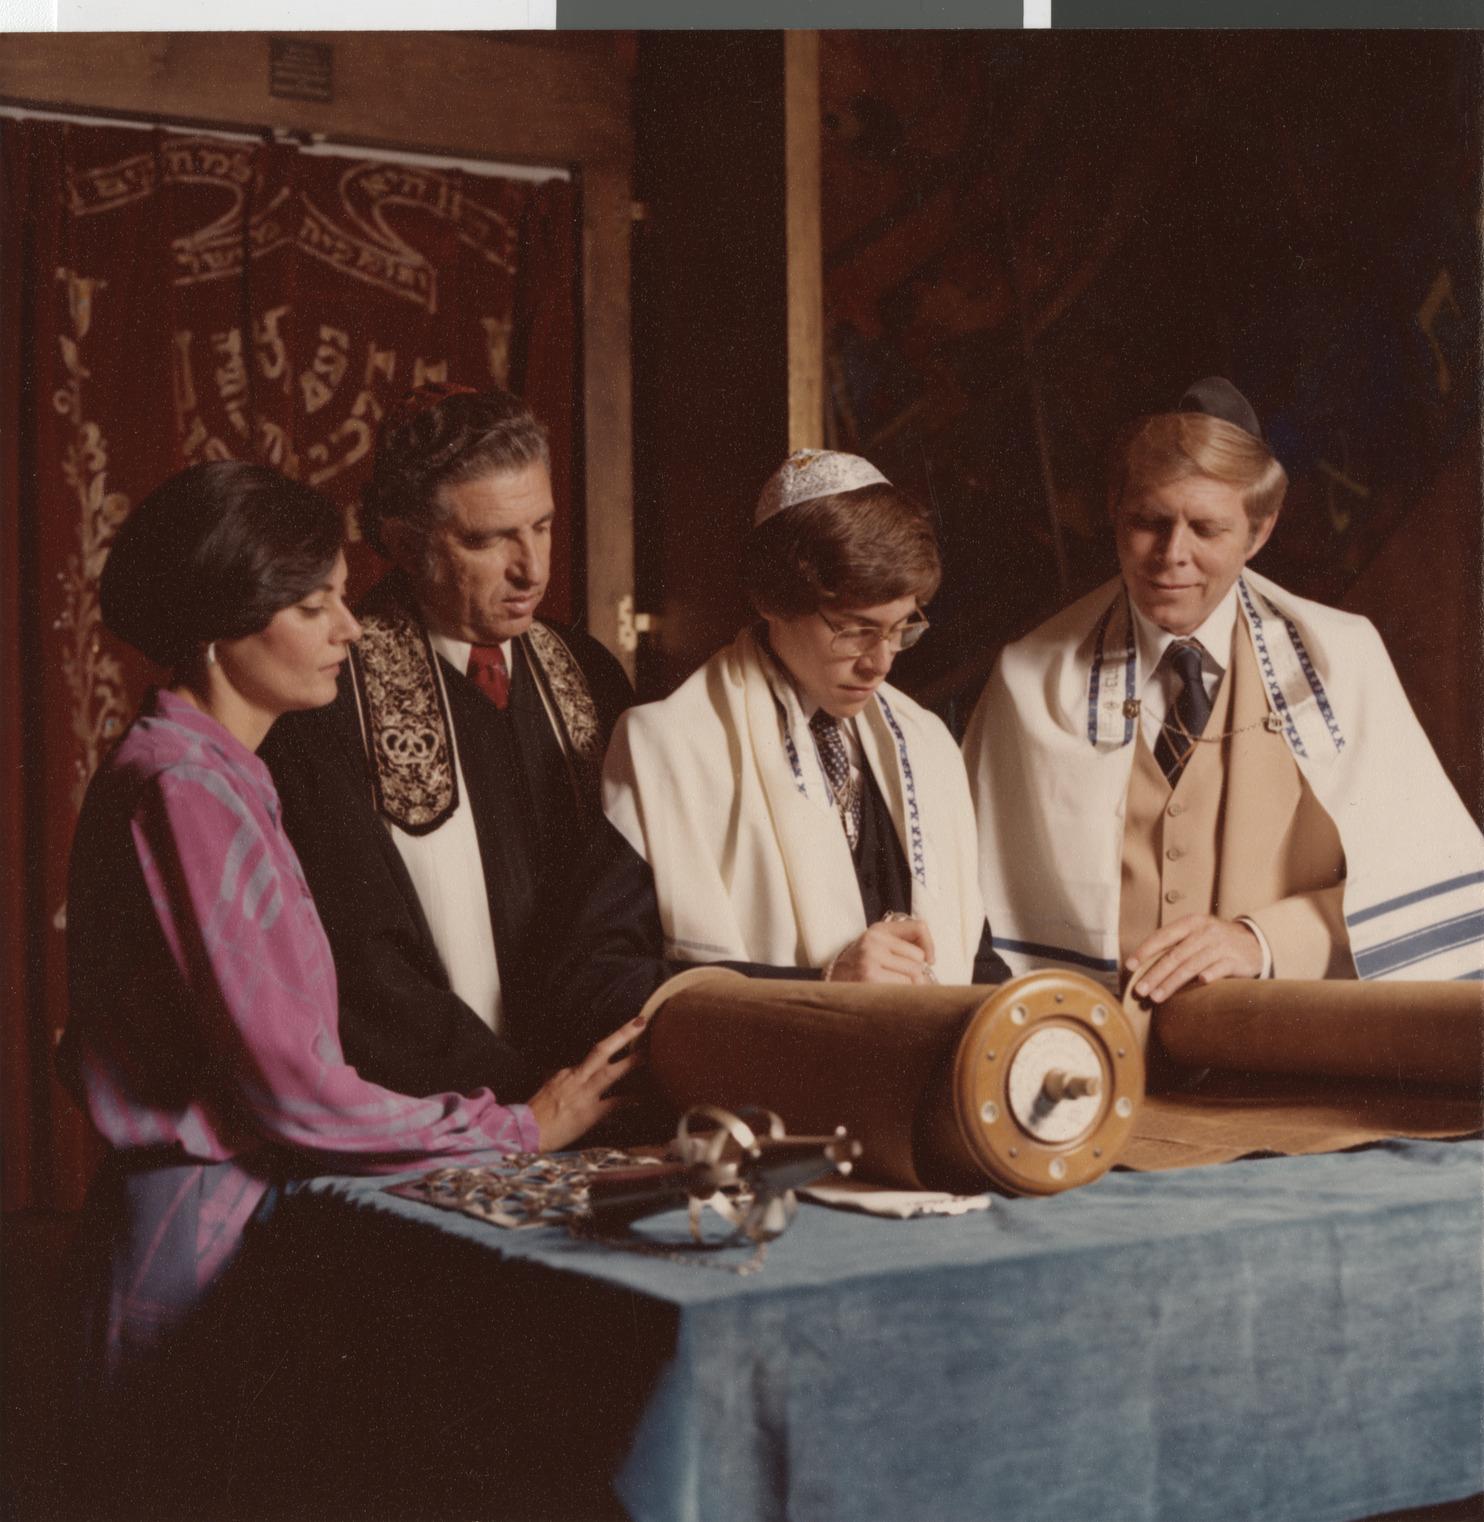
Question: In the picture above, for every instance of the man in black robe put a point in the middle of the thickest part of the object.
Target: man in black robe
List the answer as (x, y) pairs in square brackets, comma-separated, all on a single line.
[(439, 804)]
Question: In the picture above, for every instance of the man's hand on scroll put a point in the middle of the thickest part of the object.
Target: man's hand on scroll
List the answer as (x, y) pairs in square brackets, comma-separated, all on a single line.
[(1195, 948), (891, 951), (572, 1101)]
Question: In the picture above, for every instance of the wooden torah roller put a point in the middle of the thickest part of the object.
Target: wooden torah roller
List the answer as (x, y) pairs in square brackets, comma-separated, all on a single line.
[(1417, 1032), (1029, 1088)]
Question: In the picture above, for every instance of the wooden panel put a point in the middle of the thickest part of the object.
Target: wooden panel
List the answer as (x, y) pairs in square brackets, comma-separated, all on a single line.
[(17, 664), (710, 326), (607, 407), (444, 92), (805, 255)]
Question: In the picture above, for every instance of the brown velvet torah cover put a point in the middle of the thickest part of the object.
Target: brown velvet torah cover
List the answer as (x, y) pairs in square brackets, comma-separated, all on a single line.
[(918, 1075), (1300, 1066), (1347, 1063)]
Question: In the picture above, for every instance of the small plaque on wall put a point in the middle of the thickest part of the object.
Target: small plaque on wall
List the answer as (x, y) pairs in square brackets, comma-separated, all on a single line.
[(300, 70)]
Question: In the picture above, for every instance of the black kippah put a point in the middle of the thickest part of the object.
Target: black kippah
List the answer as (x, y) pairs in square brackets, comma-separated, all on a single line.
[(1217, 397)]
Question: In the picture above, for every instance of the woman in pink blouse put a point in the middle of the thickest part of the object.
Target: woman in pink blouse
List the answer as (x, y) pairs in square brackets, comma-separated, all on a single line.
[(202, 1035)]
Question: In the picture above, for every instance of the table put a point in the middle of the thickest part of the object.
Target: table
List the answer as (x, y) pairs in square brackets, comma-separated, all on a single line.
[(1298, 1339)]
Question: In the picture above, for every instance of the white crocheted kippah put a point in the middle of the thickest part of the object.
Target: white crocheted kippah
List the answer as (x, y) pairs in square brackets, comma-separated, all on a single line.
[(810, 473)]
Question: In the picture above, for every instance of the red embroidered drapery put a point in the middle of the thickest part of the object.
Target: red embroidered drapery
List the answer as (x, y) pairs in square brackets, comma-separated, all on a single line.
[(171, 297)]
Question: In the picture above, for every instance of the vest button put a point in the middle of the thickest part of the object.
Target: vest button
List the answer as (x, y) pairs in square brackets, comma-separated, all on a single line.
[(1174, 853), (1176, 808), (1174, 896)]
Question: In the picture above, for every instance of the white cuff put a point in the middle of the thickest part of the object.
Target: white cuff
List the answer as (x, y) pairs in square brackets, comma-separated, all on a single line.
[(1262, 940)]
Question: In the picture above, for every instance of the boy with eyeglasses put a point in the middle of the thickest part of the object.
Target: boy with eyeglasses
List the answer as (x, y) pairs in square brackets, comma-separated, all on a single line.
[(785, 811)]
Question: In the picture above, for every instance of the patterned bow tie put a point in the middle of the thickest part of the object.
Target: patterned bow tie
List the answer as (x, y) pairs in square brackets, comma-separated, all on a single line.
[(1180, 731), (489, 673), (831, 746)]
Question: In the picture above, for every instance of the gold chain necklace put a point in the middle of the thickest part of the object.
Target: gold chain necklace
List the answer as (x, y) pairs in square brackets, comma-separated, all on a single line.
[(1133, 708), (1177, 731)]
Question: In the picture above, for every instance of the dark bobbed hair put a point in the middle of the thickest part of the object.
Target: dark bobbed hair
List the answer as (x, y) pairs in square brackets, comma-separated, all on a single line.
[(213, 553), (853, 549), (464, 437)]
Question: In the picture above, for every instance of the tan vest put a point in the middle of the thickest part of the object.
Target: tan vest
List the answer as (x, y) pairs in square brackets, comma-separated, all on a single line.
[(1242, 834)]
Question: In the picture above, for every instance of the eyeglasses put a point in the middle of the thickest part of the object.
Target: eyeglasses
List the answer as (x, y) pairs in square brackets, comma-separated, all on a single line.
[(863, 639)]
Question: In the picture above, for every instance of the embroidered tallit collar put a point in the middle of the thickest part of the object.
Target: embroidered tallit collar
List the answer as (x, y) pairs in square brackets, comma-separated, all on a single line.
[(1296, 691), (404, 711), (812, 782)]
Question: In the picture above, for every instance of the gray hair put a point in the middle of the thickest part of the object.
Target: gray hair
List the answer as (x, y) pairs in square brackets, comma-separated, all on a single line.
[(461, 437)]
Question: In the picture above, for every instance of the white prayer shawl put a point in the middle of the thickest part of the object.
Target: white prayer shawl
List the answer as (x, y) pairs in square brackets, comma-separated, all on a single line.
[(720, 789), (1050, 751)]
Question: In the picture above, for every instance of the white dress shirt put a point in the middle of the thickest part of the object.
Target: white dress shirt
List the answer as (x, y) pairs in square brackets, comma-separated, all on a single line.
[(456, 651), (1159, 683), (447, 875)]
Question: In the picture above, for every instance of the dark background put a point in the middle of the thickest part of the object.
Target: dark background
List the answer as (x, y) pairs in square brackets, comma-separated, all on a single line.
[(1088, 221)]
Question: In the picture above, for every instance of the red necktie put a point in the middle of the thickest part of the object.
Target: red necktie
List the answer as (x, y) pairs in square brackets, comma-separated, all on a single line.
[(489, 673)]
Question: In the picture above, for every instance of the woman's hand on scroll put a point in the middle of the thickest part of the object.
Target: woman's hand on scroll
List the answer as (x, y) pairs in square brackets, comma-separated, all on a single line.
[(891, 951), (572, 1101), (1197, 948)]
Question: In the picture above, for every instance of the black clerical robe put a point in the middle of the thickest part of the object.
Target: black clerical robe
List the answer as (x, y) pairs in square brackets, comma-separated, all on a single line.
[(401, 1025), (610, 962)]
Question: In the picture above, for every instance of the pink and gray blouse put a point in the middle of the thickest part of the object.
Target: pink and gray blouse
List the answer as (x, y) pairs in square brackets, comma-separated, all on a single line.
[(203, 1036)]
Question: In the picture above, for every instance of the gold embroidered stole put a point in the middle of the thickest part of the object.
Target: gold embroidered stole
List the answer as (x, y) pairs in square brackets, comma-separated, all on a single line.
[(404, 710), (561, 678)]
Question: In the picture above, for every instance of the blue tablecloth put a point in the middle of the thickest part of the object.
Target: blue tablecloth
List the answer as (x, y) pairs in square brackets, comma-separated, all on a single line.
[(1295, 1339)]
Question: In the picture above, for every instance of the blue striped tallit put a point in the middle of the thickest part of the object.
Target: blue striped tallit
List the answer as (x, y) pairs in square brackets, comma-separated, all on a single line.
[(1433, 931)]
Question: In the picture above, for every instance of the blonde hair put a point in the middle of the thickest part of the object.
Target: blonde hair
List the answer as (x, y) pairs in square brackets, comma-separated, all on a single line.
[(1154, 451)]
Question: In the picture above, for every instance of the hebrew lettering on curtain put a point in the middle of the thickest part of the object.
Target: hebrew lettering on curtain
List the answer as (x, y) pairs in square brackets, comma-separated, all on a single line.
[(172, 298)]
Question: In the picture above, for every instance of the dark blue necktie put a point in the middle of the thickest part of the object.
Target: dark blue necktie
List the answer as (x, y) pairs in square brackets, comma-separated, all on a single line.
[(1184, 724)]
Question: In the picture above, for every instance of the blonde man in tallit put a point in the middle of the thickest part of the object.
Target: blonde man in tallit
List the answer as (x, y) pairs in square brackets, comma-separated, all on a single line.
[(1193, 774), (786, 811)]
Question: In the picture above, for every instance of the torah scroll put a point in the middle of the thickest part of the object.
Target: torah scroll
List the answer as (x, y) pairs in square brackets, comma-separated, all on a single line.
[(1430, 1033), (1030, 1088), (1038, 1086)]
